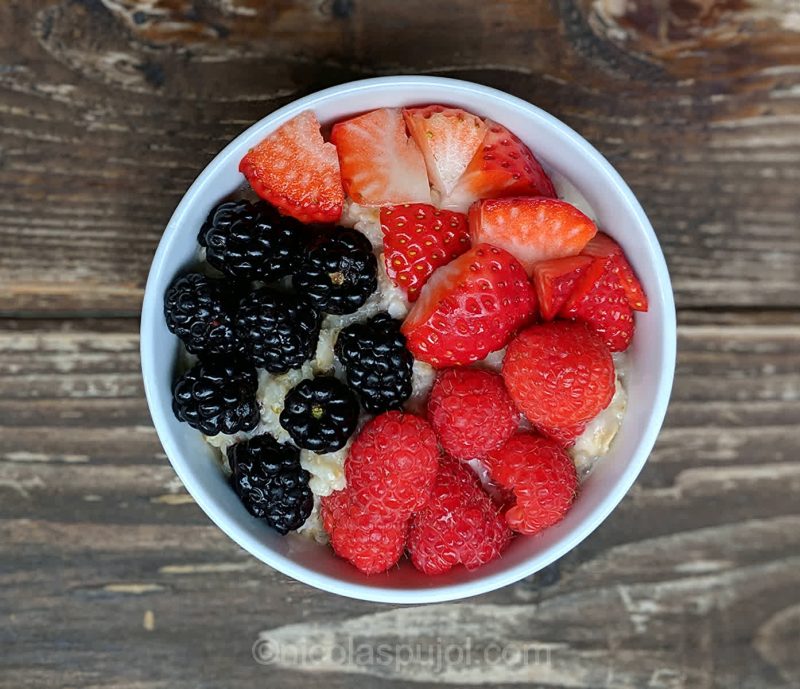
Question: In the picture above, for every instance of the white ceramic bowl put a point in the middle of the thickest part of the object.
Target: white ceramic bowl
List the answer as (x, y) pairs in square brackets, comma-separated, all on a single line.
[(651, 356)]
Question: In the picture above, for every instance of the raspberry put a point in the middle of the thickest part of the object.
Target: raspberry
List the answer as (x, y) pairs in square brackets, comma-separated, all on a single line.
[(460, 524), (392, 464), (559, 374), (372, 542), (542, 478), (471, 412)]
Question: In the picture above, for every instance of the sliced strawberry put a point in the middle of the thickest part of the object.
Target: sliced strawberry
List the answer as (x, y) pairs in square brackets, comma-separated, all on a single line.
[(599, 299), (503, 166), (554, 280), (531, 229), (470, 307), (418, 239), (380, 164), (296, 171), (601, 245), (448, 138)]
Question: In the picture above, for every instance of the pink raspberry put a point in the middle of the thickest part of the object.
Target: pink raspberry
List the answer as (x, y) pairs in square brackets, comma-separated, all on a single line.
[(460, 524), (471, 412), (541, 476)]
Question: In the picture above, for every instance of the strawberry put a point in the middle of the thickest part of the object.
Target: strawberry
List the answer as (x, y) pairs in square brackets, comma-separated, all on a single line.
[(380, 164), (502, 166), (542, 477), (448, 139), (599, 299), (460, 524), (559, 374), (469, 308), (554, 281), (296, 171), (418, 239), (531, 229), (602, 246)]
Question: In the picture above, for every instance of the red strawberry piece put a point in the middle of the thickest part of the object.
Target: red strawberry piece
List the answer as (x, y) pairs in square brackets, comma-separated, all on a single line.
[(531, 229), (380, 164), (599, 299), (602, 246), (460, 524), (469, 308), (418, 239), (296, 171), (502, 166), (542, 478), (448, 139), (392, 464), (559, 374), (471, 412), (554, 281), (369, 540)]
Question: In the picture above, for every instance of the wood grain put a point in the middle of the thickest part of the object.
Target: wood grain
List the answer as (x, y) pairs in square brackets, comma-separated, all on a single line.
[(111, 575), (108, 110), (693, 581)]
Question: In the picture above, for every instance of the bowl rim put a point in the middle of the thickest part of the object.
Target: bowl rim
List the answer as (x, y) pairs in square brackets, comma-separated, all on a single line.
[(152, 310)]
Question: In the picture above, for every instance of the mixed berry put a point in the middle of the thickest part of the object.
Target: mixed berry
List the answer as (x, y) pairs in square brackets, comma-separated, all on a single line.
[(490, 266)]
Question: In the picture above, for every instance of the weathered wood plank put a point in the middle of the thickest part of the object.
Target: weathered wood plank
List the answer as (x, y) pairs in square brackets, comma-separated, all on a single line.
[(692, 582), (108, 110)]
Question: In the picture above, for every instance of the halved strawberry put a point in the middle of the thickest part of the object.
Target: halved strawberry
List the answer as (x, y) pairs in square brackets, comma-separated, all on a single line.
[(599, 299), (418, 239), (380, 164), (601, 245), (296, 171), (531, 229), (448, 139), (554, 280), (470, 307), (503, 166)]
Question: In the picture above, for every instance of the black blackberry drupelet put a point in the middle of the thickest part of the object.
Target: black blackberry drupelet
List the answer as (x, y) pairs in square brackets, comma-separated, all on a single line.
[(377, 363), (217, 396), (252, 241), (270, 482), (339, 272), (277, 331), (320, 414), (198, 310)]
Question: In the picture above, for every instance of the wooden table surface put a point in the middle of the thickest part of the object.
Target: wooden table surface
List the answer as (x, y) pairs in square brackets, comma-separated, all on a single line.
[(111, 576)]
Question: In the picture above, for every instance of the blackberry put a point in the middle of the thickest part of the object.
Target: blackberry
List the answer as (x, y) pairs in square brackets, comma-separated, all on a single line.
[(270, 482), (217, 396), (339, 271), (277, 331), (252, 242), (376, 362), (198, 310), (320, 414)]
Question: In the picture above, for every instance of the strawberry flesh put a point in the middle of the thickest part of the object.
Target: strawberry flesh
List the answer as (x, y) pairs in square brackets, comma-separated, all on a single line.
[(599, 300), (502, 166), (601, 245), (554, 281), (448, 139), (418, 239), (297, 172), (470, 307), (531, 229), (380, 164)]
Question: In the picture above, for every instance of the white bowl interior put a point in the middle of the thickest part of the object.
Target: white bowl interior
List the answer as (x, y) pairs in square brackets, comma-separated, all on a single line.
[(651, 356)]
